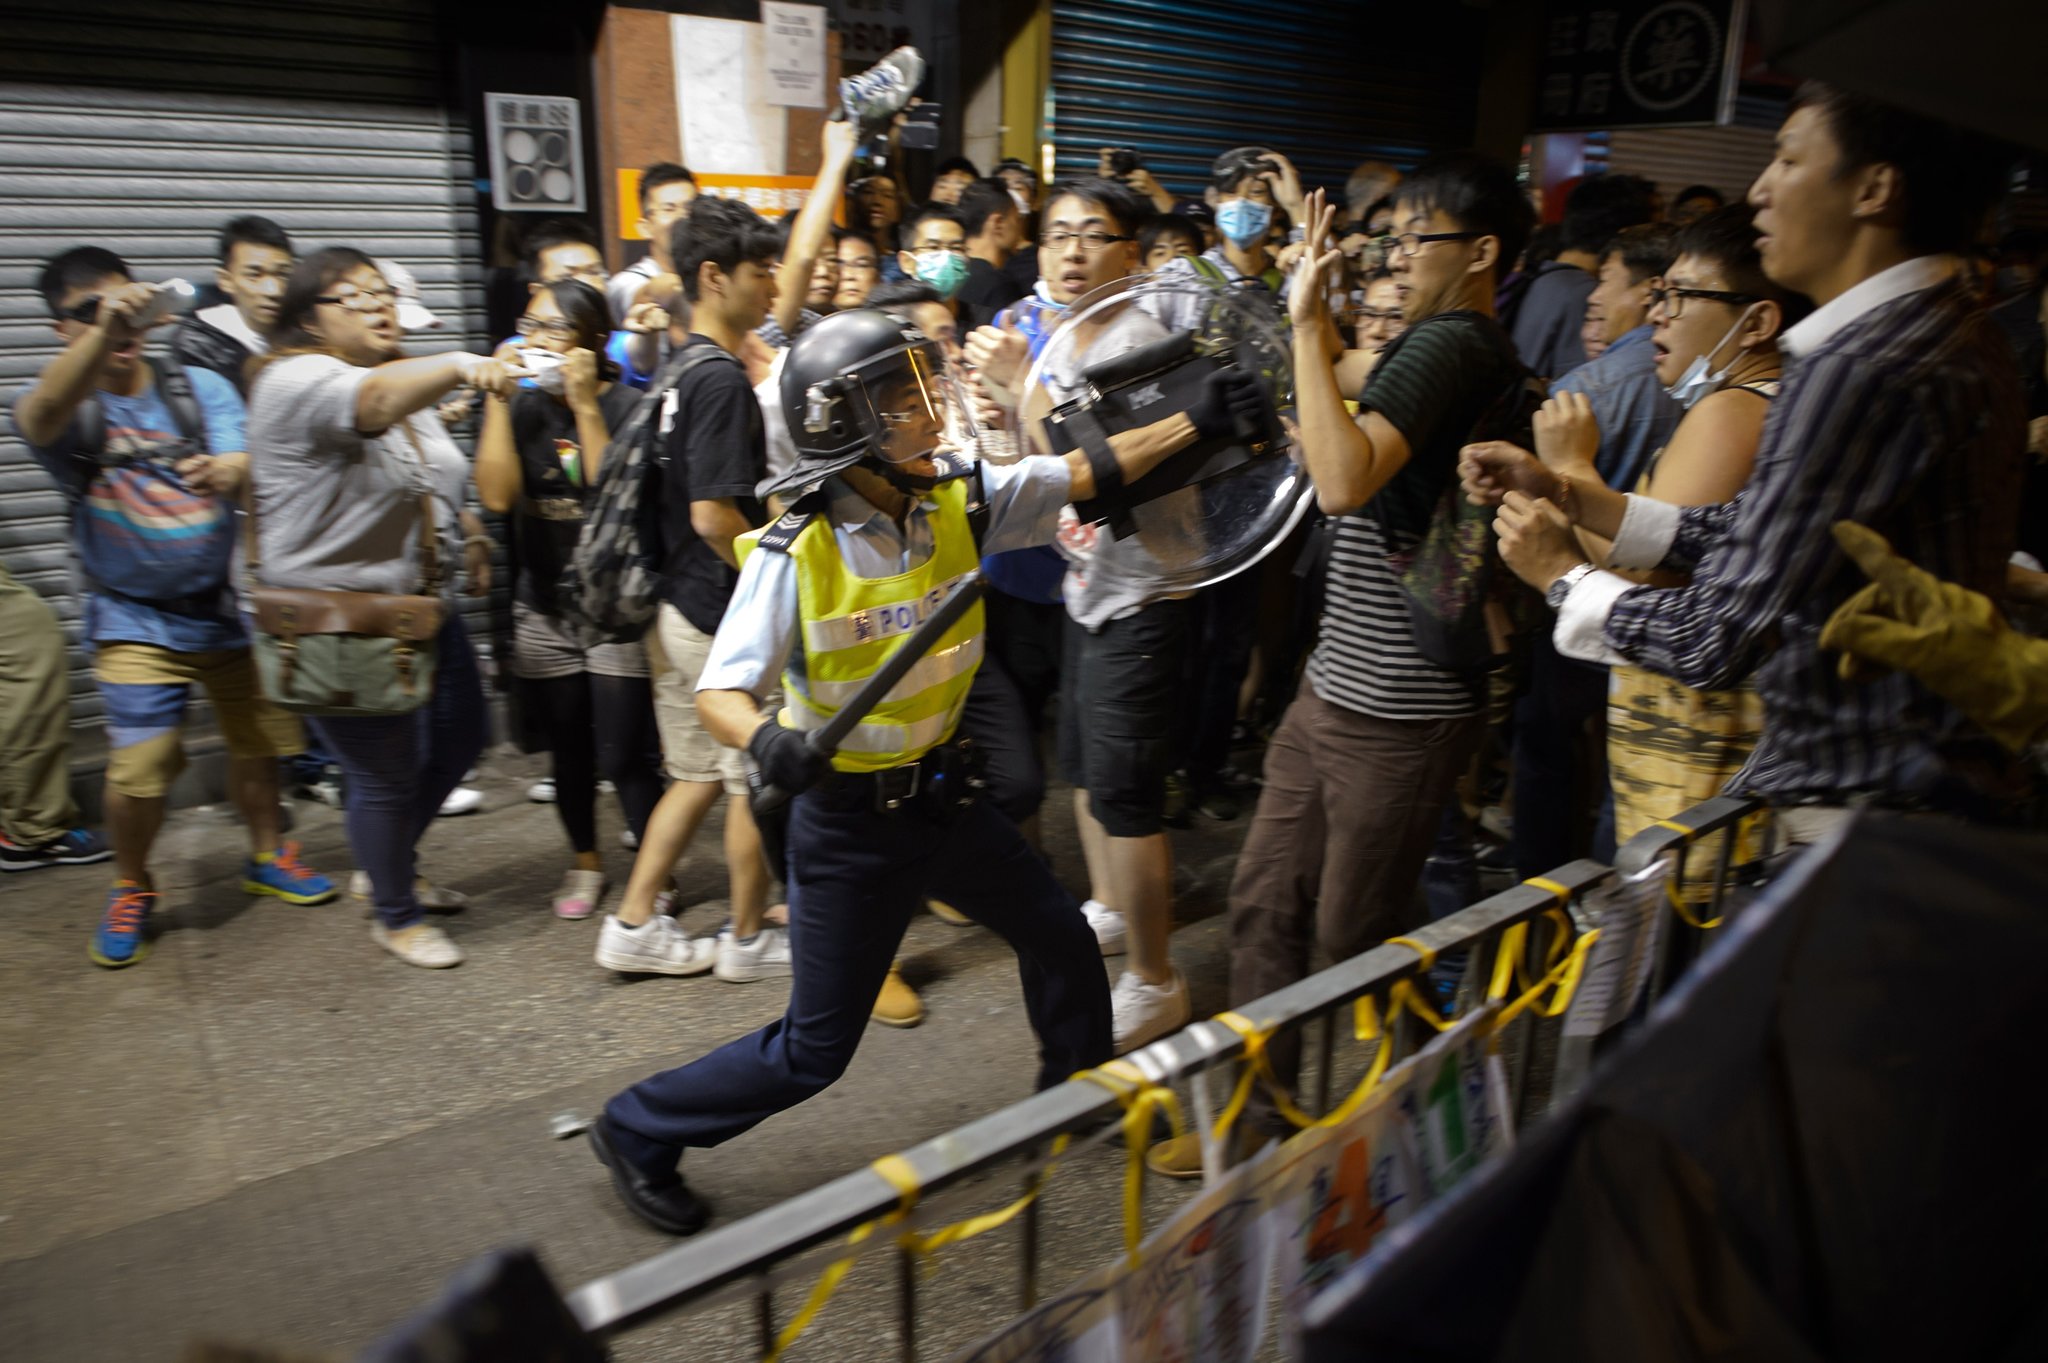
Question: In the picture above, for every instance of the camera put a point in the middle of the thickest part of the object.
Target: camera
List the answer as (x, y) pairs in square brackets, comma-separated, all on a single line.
[(1124, 160)]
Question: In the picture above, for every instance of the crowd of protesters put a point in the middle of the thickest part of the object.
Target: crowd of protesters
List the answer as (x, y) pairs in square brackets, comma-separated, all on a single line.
[(1726, 382)]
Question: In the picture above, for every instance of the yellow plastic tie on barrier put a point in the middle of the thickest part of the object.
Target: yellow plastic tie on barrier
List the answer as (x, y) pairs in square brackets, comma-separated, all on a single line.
[(1141, 1099), (1562, 893), (972, 1226), (900, 1176), (1258, 1068), (1684, 911), (1676, 827), (1427, 953), (1565, 976), (1507, 961)]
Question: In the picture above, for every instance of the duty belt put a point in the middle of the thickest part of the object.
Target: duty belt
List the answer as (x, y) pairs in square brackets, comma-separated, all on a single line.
[(943, 780)]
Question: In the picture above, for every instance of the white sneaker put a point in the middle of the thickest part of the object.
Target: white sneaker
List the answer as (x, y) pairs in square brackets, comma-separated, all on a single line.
[(462, 800), (763, 958), (657, 947), (1108, 925), (1141, 1013), (579, 893), (628, 841), (422, 944), (542, 792), (429, 896)]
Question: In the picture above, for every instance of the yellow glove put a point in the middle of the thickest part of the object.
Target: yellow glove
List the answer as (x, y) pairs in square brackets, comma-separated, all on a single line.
[(1951, 640)]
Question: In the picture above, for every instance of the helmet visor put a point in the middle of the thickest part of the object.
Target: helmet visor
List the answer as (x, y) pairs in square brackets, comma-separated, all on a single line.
[(915, 406)]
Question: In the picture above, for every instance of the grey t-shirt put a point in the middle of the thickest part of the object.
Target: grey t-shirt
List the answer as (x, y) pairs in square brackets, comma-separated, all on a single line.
[(337, 509)]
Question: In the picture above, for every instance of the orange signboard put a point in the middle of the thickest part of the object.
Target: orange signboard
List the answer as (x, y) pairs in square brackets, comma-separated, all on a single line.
[(769, 195)]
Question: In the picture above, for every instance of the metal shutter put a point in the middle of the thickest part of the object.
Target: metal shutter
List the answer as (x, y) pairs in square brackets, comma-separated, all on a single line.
[(1328, 84), (1728, 158), (152, 173)]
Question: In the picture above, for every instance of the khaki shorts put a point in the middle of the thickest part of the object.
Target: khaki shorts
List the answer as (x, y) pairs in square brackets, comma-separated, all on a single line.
[(545, 647), (676, 653), (145, 690)]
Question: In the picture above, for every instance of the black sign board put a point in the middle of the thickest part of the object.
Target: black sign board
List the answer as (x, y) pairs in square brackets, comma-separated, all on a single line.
[(1637, 64)]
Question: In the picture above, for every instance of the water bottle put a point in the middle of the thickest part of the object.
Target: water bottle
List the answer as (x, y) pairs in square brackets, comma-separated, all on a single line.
[(876, 95)]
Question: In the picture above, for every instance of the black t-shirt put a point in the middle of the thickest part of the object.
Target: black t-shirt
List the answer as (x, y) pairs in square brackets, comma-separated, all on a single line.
[(550, 512), (987, 292), (1022, 270), (711, 448)]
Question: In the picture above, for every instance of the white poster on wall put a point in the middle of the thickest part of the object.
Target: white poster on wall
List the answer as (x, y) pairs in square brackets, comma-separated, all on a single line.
[(728, 125), (793, 38)]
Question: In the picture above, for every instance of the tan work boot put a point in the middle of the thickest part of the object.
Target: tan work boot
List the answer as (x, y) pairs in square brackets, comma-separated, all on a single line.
[(898, 1004)]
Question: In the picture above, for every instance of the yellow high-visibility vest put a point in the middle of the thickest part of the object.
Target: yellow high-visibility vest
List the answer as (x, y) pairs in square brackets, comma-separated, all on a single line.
[(851, 625)]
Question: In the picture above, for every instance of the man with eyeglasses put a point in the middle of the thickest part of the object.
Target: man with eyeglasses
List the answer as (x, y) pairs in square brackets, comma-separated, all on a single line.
[(1366, 757), (141, 451), (1125, 637)]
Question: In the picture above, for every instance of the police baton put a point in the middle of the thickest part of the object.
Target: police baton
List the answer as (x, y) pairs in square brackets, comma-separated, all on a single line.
[(824, 740)]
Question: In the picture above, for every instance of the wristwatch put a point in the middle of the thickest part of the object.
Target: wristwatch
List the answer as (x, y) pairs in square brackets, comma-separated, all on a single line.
[(1560, 589)]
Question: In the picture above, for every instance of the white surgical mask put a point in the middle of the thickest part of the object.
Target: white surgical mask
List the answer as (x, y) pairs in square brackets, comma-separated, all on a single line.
[(1022, 200), (1696, 382), (545, 366)]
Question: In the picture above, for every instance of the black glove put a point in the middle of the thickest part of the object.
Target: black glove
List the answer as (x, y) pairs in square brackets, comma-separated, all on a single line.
[(785, 760), (1231, 405)]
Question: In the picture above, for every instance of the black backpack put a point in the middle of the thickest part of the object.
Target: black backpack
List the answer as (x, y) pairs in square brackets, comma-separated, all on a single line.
[(176, 387), (613, 580), (1451, 574)]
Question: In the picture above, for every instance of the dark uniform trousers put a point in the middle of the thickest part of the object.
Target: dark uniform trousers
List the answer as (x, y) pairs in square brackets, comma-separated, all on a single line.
[(856, 875)]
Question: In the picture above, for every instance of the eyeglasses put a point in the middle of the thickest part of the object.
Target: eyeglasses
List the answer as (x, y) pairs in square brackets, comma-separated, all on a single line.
[(1672, 300), (1411, 243), (1377, 314), (554, 330), (85, 311), (958, 248), (1091, 242), (592, 271), (373, 300)]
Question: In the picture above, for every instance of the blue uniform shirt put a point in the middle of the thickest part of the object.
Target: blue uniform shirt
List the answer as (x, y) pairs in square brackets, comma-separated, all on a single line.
[(760, 633)]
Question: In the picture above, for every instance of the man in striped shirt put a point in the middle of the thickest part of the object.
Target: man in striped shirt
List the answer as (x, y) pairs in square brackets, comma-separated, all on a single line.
[(1359, 770), (1901, 410)]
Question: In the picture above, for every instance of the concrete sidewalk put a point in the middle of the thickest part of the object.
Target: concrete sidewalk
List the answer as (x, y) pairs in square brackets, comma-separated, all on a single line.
[(271, 1131)]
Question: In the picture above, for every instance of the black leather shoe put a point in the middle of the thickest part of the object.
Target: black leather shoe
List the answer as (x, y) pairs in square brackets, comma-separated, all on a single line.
[(664, 1204)]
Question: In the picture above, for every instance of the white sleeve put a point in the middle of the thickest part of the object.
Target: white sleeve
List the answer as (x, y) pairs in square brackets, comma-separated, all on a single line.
[(1581, 630), (1024, 501), (759, 628), (1648, 528)]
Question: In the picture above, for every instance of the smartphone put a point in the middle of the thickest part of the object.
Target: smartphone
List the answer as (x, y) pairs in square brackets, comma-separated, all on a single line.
[(1124, 160), (920, 128)]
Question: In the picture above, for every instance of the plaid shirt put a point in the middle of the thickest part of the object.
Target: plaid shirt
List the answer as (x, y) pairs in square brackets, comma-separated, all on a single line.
[(1901, 410)]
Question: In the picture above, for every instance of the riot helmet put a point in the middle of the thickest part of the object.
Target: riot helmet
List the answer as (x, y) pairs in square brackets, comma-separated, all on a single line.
[(862, 387)]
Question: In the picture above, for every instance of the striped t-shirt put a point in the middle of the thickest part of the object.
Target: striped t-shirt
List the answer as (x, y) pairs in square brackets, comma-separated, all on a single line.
[(1434, 385)]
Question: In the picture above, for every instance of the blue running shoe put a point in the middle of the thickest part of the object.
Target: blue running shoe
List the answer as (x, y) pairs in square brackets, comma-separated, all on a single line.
[(282, 874), (119, 940)]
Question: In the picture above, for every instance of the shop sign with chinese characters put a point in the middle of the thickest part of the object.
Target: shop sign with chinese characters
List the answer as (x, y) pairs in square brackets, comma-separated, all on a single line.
[(1646, 64)]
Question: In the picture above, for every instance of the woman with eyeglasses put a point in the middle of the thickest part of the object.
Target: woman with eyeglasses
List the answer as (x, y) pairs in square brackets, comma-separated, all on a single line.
[(343, 444), (537, 459)]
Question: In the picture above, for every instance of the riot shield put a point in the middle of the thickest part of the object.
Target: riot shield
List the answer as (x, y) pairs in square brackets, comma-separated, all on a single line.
[(1138, 350)]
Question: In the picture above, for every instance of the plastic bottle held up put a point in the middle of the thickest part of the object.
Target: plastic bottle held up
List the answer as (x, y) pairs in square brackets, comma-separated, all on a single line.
[(173, 297), (876, 95)]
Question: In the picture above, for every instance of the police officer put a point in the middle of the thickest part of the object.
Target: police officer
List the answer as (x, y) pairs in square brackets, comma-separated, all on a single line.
[(880, 530)]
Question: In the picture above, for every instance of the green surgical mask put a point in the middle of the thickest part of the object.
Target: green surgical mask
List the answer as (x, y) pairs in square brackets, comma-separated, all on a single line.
[(945, 271)]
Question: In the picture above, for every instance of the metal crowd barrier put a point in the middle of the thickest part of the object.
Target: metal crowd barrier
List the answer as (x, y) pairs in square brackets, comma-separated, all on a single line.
[(792, 1241)]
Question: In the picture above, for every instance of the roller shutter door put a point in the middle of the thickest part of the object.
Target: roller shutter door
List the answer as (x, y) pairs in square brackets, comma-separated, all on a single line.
[(1329, 84), (1728, 158), (187, 127)]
